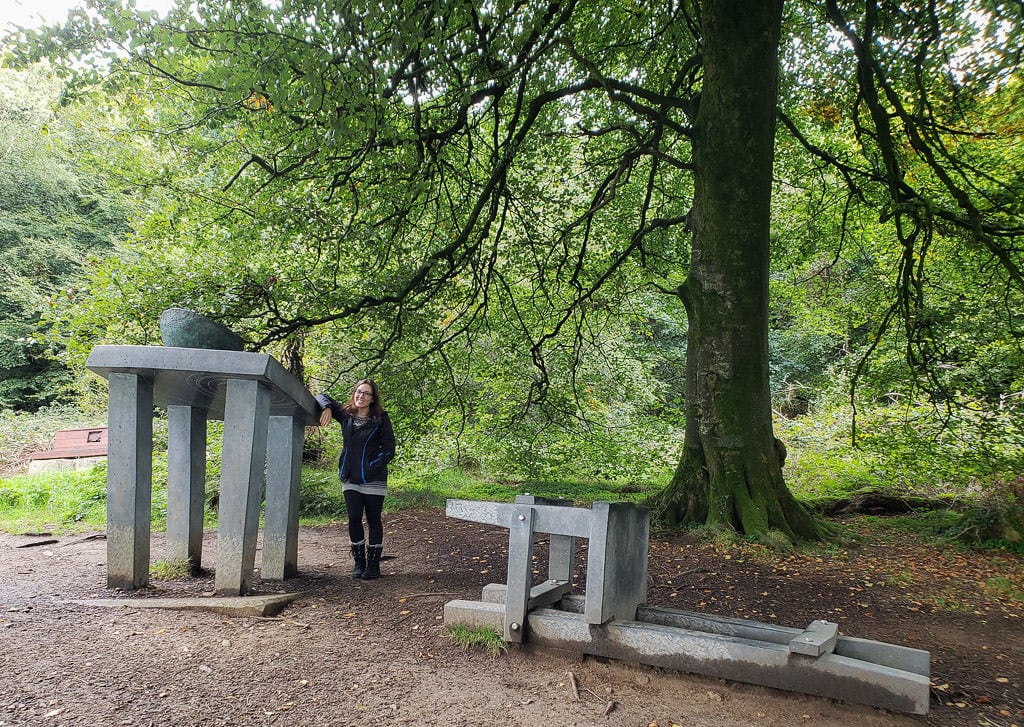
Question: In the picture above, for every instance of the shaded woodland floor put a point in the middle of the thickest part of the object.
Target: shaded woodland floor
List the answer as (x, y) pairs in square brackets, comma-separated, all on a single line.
[(374, 653)]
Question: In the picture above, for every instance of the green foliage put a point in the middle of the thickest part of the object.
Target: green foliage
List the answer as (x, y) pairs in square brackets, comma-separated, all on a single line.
[(421, 487), (56, 220), (953, 601), (930, 525), (1004, 588), (909, 449), (484, 232), (901, 579), (74, 501), (70, 500), (641, 452), (22, 433), (995, 523), (328, 253), (320, 498), (481, 637)]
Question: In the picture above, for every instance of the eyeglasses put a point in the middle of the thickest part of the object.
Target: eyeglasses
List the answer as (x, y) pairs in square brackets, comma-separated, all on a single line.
[(358, 392)]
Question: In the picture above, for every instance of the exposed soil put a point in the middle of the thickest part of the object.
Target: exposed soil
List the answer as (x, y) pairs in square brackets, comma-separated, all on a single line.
[(376, 653)]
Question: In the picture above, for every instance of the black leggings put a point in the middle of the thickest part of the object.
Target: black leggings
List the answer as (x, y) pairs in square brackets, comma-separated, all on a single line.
[(373, 505)]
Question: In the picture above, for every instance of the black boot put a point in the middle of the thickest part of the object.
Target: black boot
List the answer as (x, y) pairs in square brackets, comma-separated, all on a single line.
[(372, 562), (359, 556)]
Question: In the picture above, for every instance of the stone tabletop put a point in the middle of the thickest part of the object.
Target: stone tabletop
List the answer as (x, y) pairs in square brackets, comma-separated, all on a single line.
[(197, 377)]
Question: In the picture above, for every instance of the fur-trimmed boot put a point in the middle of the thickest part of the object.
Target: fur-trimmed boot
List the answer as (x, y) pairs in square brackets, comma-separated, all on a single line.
[(359, 556), (372, 562)]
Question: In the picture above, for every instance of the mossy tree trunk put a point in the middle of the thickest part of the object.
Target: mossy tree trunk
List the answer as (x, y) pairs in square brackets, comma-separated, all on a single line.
[(730, 473)]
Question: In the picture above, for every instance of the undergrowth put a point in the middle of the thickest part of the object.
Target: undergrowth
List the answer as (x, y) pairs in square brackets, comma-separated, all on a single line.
[(75, 500), (983, 492), (62, 501)]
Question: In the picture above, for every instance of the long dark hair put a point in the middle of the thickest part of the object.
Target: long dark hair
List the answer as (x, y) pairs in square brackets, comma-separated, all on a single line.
[(376, 410)]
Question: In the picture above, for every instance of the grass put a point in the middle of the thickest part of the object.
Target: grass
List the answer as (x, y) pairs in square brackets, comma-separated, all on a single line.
[(820, 468), (950, 601), (432, 489), (75, 500), (71, 501), (482, 637), (900, 578), (927, 524), (1003, 588), (22, 433), (169, 570), (66, 501)]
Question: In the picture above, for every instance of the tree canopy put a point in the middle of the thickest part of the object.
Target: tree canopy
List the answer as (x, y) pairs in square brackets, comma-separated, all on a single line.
[(447, 185)]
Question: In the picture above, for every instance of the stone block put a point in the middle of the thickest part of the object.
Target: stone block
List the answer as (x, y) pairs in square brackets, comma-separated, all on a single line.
[(817, 639)]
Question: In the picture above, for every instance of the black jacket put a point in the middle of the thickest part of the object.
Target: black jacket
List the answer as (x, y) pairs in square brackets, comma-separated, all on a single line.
[(365, 450)]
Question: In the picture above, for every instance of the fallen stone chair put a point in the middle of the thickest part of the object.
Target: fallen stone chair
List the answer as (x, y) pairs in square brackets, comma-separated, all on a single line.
[(611, 620)]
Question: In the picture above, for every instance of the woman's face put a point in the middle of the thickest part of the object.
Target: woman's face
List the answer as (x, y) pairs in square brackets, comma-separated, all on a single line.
[(363, 395)]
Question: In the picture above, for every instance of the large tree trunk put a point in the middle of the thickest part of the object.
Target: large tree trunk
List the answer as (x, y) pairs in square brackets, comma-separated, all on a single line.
[(730, 474)]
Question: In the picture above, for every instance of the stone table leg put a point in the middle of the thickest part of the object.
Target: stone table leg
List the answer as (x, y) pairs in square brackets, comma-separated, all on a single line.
[(186, 484), (246, 413), (285, 436), (129, 480)]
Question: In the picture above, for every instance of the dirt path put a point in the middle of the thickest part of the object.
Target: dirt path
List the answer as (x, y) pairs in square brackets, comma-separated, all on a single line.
[(374, 653)]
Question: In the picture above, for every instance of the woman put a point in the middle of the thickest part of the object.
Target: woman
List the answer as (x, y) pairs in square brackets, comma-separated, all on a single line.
[(368, 444)]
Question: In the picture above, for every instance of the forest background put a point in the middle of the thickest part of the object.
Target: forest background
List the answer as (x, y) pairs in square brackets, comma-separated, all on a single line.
[(125, 193)]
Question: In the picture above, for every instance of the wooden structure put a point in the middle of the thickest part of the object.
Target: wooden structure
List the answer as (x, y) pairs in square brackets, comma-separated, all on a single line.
[(72, 448)]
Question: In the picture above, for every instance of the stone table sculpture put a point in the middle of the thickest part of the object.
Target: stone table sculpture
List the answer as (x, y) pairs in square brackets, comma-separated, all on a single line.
[(265, 410)]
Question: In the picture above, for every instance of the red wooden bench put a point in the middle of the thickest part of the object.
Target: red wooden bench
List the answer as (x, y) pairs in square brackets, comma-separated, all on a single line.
[(75, 443)]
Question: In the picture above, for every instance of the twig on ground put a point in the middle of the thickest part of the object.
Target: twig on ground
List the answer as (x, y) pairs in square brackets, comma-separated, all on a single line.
[(575, 688), (36, 544), (678, 573)]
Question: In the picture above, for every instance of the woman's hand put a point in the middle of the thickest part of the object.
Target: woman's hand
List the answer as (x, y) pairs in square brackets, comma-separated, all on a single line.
[(325, 417)]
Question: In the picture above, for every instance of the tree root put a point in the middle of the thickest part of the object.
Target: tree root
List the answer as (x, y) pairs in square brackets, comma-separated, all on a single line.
[(878, 503)]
